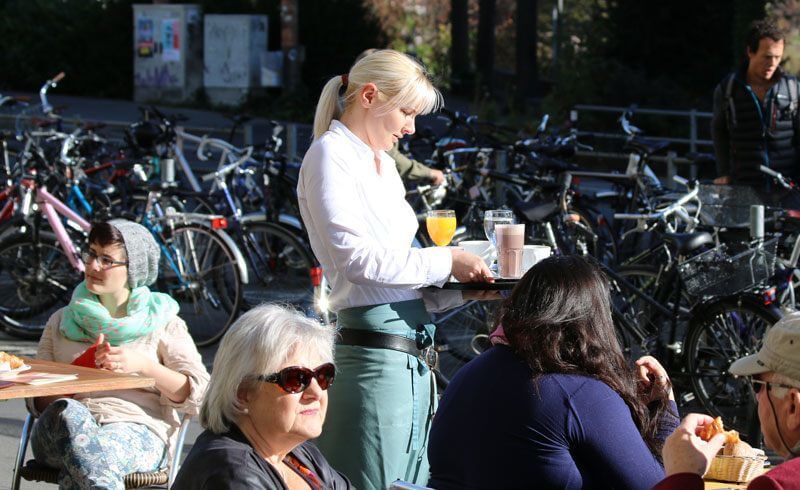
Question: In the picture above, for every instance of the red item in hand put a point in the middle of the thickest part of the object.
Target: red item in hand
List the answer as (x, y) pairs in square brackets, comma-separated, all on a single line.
[(87, 358)]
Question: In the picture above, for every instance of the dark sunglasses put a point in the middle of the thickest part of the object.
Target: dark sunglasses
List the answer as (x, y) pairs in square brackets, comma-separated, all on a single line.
[(295, 379), (757, 384)]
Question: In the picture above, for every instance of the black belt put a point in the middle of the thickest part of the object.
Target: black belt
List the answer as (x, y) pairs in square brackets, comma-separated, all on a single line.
[(380, 340)]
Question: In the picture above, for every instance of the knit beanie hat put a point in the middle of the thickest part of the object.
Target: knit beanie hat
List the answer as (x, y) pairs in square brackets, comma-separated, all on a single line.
[(142, 251)]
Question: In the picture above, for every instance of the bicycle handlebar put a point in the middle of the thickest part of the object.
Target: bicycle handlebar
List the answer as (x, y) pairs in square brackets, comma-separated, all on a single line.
[(674, 208), (783, 181), (222, 172), (680, 180)]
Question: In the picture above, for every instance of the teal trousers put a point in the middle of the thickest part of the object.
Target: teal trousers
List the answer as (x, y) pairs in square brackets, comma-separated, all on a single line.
[(381, 405)]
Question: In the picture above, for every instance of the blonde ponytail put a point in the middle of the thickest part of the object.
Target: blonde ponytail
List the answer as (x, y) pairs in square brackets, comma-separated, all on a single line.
[(328, 106), (399, 78)]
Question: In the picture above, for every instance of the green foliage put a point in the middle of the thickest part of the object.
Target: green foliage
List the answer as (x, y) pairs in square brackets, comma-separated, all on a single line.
[(654, 54), (420, 29)]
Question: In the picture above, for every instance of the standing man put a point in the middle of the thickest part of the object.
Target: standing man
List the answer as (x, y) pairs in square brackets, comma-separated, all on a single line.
[(775, 374), (755, 114)]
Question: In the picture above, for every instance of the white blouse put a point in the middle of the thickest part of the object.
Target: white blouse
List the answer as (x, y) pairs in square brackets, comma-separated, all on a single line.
[(360, 225)]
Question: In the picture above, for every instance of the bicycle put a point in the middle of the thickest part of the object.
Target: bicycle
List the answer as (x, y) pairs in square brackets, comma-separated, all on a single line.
[(699, 312), (199, 262)]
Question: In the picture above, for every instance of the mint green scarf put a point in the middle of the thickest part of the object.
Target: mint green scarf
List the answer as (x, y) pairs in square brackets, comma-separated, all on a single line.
[(85, 318)]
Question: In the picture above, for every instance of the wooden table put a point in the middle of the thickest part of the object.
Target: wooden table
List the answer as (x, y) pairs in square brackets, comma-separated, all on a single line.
[(719, 485), (88, 380)]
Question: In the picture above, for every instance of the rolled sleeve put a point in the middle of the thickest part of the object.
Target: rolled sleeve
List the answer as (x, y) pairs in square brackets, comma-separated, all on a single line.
[(176, 351), (440, 264)]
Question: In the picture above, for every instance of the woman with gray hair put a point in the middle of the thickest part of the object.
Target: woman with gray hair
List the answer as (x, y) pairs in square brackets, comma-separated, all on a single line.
[(267, 398)]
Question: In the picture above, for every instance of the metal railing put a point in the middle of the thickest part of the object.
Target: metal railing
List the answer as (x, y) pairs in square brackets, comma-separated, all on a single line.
[(693, 141), (671, 160)]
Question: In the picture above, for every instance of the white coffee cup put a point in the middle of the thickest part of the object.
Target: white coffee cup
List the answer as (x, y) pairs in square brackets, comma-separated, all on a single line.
[(532, 254), (481, 248)]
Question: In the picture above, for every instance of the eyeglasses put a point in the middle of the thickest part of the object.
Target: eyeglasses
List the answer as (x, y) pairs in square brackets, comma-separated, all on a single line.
[(105, 263), (758, 383), (295, 379)]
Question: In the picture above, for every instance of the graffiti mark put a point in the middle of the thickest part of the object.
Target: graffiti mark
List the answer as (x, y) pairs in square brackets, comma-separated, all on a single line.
[(226, 53), (156, 77)]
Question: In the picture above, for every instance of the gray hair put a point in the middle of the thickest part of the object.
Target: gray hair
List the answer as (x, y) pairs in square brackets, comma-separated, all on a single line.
[(779, 391), (257, 343)]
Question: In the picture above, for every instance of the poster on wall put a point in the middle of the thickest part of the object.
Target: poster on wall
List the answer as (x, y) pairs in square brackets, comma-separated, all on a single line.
[(171, 39), (145, 43)]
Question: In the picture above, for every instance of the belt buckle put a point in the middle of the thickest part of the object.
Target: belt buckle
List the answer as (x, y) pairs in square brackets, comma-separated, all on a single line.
[(430, 357)]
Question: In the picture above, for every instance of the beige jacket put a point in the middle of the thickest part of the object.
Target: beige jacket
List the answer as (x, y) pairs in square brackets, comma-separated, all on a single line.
[(171, 345)]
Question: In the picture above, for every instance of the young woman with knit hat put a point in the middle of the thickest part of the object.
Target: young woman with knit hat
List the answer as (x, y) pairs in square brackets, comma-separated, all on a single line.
[(95, 439)]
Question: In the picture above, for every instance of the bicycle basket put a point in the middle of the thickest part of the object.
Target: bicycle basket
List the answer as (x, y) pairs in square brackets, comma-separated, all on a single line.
[(729, 268), (727, 206)]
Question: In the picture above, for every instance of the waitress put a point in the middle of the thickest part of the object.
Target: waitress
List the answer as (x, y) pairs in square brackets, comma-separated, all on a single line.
[(361, 228)]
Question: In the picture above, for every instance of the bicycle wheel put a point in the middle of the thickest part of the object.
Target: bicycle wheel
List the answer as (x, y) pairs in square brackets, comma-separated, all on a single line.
[(719, 334), (652, 327), (200, 272), (588, 234), (461, 333), (133, 206), (279, 267), (36, 280)]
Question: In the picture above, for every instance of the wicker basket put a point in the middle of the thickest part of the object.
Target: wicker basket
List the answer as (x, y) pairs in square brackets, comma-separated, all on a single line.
[(735, 468)]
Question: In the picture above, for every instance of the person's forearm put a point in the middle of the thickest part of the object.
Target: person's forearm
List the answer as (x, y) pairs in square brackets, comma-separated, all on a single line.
[(173, 384)]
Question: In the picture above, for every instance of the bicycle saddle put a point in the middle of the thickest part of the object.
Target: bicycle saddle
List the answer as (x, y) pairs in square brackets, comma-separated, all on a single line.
[(646, 146), (688, 242), (537, 211)]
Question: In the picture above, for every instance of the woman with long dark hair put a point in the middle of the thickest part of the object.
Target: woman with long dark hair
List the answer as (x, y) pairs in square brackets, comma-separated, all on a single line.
[(554, 404)]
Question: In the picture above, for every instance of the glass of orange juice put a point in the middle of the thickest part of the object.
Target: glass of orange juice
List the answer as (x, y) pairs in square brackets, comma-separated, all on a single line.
[(441, 225)]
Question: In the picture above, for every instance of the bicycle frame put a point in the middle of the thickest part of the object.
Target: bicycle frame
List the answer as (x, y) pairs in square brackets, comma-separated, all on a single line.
[(77, 198), (177, 149), (52, 208)]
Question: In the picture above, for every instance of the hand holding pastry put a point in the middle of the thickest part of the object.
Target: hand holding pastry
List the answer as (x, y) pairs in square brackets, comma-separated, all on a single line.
[(686, 452)]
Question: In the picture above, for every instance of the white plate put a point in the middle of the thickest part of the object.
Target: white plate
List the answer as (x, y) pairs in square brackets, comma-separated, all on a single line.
[(13, 372)]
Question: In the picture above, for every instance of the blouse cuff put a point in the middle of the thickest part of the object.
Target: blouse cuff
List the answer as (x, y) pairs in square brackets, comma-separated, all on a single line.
[(440, 264), (191, 405)]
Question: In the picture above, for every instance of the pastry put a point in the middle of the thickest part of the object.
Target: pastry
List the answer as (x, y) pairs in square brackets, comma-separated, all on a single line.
[(9, 362), (716, 427)]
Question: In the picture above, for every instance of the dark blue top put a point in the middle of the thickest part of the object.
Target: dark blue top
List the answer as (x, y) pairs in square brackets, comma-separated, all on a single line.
[(494, 430)]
